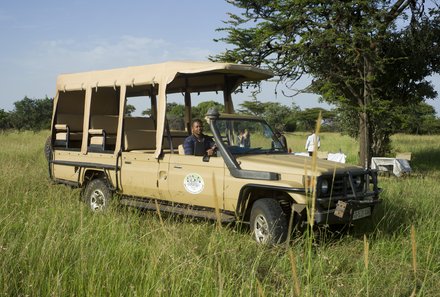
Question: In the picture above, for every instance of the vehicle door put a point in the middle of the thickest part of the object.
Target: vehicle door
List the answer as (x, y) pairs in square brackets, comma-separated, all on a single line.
[(139, 174), (193, 181)]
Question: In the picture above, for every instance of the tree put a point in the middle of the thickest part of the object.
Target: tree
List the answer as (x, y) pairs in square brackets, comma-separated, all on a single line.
[(365, 57), (276, 114), (419, 119), (32, 114), (202, 108), (307, 118), (253, 107), (129, 109), (175, 114), (4, 120)]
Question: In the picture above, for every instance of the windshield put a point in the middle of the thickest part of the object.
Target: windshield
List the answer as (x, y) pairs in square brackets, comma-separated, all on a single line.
[(248, 136)]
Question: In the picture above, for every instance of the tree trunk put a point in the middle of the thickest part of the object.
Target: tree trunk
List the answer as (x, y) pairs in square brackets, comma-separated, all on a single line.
[(364, 102), (364, 140)]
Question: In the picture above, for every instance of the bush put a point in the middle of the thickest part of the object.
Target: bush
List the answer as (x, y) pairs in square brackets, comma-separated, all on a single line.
[(290, 125)]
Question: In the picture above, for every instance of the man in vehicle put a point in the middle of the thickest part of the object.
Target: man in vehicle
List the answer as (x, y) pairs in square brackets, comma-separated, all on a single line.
[(197, 143)]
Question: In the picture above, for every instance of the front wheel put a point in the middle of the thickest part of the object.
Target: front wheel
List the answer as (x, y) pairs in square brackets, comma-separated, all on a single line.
[(97, 195), (268, 222)]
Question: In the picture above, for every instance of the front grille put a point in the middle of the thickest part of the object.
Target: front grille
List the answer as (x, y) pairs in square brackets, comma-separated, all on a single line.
[(347, 186), (340, 185)]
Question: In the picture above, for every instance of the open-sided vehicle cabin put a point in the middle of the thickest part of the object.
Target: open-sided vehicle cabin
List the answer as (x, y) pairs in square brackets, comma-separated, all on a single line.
[(97, 145)]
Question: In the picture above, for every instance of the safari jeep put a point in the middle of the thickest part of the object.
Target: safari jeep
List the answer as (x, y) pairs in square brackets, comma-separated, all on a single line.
[(96, 145)]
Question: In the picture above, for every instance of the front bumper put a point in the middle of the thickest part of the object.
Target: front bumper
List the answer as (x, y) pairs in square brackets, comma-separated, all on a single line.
[(351, 196), (353, 210)]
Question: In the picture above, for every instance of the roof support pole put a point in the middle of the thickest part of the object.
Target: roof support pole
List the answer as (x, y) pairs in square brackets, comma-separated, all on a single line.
[(122, 102), (153, 104), (227, 90), (86, 123), (188, 117)]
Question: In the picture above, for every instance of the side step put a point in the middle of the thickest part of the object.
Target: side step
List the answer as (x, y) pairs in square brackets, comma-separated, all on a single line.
[(150, 205)]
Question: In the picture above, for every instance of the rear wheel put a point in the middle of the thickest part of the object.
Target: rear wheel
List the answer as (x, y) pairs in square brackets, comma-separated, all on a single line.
[(268, 222), (97, 195), (48, 148)]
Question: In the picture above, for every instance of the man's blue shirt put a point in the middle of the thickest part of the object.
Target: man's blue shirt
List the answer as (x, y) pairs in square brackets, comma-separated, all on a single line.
[(190, 143)]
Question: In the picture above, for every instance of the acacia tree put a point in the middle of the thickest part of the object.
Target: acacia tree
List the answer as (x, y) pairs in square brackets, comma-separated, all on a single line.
[(308, 116), (276, 114), (365, 56)]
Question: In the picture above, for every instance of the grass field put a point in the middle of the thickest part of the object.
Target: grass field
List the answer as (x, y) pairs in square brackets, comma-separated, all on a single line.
[(51, 245)]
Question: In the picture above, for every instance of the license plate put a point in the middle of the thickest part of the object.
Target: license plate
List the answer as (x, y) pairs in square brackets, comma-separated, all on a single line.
[(361, 213), (340, 209)]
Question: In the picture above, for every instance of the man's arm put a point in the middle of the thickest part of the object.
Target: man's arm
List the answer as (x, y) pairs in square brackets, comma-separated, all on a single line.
[(209, 145), (188, 146)]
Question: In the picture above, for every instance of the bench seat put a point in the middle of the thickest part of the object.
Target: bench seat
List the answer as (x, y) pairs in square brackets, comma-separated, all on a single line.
[(102, 132), (68, 130)]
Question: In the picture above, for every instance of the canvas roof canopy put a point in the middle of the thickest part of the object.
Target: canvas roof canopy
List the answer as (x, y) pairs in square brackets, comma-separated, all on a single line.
[(171, 77), (208, 76)]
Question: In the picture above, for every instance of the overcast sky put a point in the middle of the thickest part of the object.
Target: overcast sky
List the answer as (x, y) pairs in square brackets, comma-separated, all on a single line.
[(42, 39)]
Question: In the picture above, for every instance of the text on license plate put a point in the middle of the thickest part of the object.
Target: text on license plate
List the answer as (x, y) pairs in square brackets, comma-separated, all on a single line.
[(361, 213)]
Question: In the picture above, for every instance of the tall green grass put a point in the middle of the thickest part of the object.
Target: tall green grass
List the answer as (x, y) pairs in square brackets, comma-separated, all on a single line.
[(51, 245)]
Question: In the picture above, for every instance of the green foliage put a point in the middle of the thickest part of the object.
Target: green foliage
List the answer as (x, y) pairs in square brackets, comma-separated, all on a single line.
[(307, 118), (4, 120), (32, 114), (419, 119), (431, 126), (129, 109), (365, 57), (175, 109), (276, 114), (175, 115), (253, 107), (176, 112), (51, 245), (202, 108), (290, 125), (147, 112)]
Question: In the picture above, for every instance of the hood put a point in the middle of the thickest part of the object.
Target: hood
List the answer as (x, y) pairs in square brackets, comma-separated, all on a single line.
[(290, 164)]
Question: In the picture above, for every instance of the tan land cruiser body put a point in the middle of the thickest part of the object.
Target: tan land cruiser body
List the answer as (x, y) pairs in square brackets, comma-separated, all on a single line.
[(96, 146)]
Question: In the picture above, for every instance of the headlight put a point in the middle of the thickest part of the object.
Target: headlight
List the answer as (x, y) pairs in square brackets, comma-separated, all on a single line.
[(324, 186)]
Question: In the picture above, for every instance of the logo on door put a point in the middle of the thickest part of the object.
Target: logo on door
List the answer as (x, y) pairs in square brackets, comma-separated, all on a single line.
[(193, 183)]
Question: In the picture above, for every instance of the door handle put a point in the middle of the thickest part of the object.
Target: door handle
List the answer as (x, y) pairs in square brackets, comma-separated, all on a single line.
[(127, 162), (178, 166)]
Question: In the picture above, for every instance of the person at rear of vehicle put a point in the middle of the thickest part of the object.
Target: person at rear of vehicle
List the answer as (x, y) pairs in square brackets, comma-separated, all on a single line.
[(197, 139), (282, 138), (244, 138), (313, 142)]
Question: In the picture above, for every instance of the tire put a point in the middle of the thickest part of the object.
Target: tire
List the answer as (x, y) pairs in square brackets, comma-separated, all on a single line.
[(48, 148), (268, 222), (97, 195)]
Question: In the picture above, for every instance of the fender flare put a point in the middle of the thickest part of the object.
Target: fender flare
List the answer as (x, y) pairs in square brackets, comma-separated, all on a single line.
[(242, 207)]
